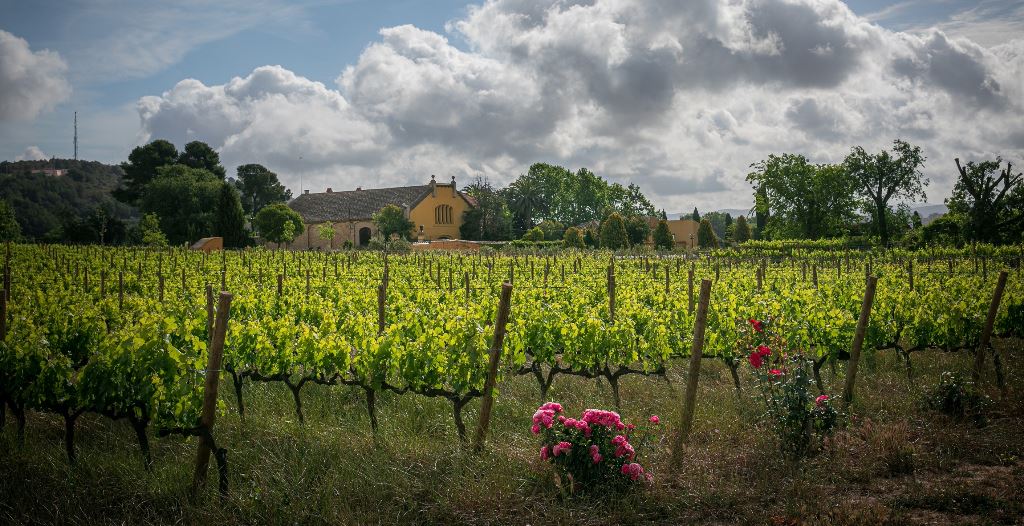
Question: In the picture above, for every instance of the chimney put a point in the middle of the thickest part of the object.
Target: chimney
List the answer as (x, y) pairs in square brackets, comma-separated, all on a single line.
[(307, 192), (433, 187), (329, 190), (359, 188), (455, 192)]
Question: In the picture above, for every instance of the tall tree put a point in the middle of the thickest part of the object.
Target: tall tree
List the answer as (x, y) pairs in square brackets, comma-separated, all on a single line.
[(742, 231), (582, 197), (259, 187), (141, 168), (885, 176), (808, 201), (762, 213), (10, 230), (990, 200), (391, 220), (706, 235), (531, 197), (695, 215), (150, 233), (629, 201), (637, 230), (185, 200), (663, 236), (490, 219), (229, 222), (198, 154), (277, 223)]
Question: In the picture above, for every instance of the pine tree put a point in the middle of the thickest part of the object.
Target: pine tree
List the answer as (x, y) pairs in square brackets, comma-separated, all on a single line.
[(696, 215), (229, 221), (742, 231), (10, 230), (706, 235), (663, 236)]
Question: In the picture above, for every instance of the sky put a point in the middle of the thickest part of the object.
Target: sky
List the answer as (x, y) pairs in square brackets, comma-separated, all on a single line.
[(679, 97)]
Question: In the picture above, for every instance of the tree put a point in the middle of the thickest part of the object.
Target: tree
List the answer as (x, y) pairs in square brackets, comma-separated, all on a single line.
[(141, 168), (277, 223), (553, 230), (637, 230), (391, 220), (882, 177), (581, 197), (630, 201), (695, 215), (10, 230), (259, 187), (326, 232), (198, 154), (531, 197), (990, 200), (663, 236), (613, 232), (706, 235), (916, 220), (719, 222), (185, 199), (945, 230), (149, 228), (229, 221), (761, 213), (573, 238), (808, 201), (742, 231), (490, 219), (534, 234)]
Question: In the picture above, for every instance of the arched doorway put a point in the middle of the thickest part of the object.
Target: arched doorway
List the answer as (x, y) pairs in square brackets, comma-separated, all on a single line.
[(364, 236)]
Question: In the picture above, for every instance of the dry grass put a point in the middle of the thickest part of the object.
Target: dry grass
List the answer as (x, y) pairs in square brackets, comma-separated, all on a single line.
[(893, 463)]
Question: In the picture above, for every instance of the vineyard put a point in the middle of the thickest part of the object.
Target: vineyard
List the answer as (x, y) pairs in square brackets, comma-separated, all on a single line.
[(127, 334)]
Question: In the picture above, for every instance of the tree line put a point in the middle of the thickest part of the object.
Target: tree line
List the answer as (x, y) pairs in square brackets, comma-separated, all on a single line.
[(865, 195)]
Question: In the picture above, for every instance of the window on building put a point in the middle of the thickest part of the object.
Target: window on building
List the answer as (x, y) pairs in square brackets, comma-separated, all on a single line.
[(443, 215)]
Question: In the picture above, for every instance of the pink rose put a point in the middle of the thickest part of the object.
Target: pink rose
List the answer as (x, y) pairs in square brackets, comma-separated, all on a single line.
[(535, 429), (632, 470), (819, 401), (775, 372), (552, 406), (594, 450), (544, 453), (561, 447), (597, 458), (654, 419)]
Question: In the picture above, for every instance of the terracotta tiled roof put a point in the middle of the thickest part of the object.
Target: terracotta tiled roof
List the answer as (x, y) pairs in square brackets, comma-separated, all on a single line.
[(354, 205)]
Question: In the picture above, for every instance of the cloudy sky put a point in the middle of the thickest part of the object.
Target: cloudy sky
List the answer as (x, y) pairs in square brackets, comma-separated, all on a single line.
[(677, 96)]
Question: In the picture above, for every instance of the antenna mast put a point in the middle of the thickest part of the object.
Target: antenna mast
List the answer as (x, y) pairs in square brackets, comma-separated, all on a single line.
[(76, 135)]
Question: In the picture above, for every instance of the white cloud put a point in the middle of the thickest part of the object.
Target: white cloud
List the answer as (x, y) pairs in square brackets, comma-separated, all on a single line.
[(32, 153), (679, 97), (31, 82)]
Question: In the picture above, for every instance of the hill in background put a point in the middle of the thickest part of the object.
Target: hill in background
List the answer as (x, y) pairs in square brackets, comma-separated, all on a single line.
[(43, 203)]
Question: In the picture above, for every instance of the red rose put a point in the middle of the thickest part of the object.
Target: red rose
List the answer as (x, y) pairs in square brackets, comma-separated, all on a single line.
[(758, 326)]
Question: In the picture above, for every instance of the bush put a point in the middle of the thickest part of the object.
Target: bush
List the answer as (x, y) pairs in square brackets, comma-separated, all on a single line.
[(534, 234), (799, 418), (706, 237), (573, 238), (663, 236), (613, 232), (597, 452), (957, 398)]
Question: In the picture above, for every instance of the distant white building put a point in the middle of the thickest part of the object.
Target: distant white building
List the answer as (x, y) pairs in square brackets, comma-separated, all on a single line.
[(53, 172)]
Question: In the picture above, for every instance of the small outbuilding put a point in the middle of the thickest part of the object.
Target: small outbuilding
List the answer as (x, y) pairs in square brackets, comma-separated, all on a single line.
[(209, 244)]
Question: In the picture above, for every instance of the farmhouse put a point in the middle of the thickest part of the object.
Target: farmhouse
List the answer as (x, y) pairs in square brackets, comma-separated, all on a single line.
[(435, 210)]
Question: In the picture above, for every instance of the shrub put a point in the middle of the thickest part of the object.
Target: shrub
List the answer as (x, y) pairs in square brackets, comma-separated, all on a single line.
[(799, 418), (534, 234), (706, 235), (613, 232), (573, 238), (957, 398), (663, 236), (597, 452)]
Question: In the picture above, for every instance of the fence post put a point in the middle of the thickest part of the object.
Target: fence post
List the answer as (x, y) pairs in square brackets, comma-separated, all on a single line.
[(209, 414), (504, 305), (693, 375), (858, 339), (986, 334)]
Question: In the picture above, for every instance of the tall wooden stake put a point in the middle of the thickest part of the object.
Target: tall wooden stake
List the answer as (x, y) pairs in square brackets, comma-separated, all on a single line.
[(858, 339), (693, 375), (504, 305), (986, 334), (209, 414)]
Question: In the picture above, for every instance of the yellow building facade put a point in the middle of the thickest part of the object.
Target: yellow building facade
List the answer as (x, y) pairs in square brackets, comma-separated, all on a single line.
[(435, 210)]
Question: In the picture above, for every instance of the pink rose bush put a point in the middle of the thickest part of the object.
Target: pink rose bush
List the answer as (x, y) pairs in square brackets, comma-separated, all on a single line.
[(594, 451), (800, 419)]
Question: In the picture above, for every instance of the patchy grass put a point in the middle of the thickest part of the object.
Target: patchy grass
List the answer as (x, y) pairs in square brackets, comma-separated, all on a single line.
[(892, 464)]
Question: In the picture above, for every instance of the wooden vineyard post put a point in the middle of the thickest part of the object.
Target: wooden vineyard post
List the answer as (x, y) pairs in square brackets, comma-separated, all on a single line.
[(910, 274), (858, 340), (501, 320), (209, 312), (814, 274), (209, 414), (280, 285), (693, 375), (986, 335), (465, 283), (3, 317), (120, 290), (381, 303), (690, 283), (611, 292), (161, 280), (668, 283)]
